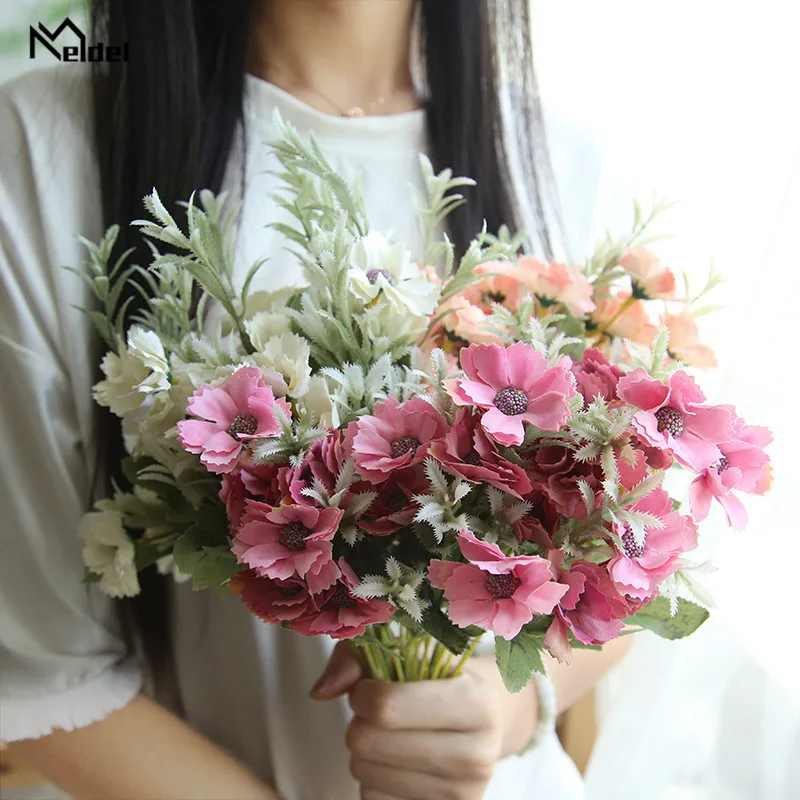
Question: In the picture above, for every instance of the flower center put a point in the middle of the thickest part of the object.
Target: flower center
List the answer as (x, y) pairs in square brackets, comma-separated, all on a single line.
[(341, 598), (291, 591), (502, 586), (403, 445), (632, 550), (293, 536), (372, 276), (670, 419), (245, 424), (722, 465), (511, 401), (472, 458), (396, 502)]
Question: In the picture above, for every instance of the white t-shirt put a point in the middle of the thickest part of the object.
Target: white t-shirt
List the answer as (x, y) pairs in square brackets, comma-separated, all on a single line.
[(241, 682)]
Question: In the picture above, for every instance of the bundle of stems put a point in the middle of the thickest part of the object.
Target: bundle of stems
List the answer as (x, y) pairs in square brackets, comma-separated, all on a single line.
[(397, 654)]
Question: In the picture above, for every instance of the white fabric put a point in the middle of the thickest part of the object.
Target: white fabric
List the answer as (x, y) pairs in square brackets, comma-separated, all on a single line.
[(242, 683)]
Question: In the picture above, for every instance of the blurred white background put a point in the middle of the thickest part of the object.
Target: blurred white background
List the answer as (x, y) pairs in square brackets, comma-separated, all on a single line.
[(698, 100)]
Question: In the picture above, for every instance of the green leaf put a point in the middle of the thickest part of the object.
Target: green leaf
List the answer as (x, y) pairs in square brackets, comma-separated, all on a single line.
[(146, 555), (656, 617), (198, 553), (519, 658), (437, 624)]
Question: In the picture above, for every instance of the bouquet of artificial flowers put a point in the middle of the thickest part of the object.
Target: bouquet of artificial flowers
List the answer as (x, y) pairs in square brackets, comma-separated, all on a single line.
[(410, 452)]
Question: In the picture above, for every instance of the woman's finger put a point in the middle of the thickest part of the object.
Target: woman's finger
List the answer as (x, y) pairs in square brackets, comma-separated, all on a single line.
[(342, 672), (448, 754), (409, 785), (457, 704)]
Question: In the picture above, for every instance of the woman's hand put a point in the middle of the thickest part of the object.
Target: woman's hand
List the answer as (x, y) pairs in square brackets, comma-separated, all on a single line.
[(429, 740)]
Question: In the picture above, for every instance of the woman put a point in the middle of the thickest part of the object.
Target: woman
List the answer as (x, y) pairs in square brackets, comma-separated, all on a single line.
[(190, 110)]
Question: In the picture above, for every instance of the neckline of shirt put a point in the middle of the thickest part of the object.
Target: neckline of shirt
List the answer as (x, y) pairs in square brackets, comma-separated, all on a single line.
[(406, 129)]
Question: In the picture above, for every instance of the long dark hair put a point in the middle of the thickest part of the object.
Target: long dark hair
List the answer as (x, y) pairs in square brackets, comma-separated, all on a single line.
[(171, 116)]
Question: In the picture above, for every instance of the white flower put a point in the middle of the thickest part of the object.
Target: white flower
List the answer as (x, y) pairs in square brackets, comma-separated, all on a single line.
[(139, 370), (264, 325), (109, 552), (383, 320), (319, 402), (288, 354), (383, 267)]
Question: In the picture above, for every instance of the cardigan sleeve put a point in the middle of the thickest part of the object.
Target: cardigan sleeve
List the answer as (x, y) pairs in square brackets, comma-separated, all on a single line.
[(64, 661)]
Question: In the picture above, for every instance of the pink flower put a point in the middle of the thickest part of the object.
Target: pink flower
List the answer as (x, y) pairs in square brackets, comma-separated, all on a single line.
[(596, 376), (324, 463), (395, 437), (555, 472), (273, 600), (592, 608), (674, 417), (684, 341), (243, 408), (341, 615), (637, 570), (467, 452), (394, 507), (513, 385), (496, 592), (650, 280), (743, 467), (558, 283), (625, 317), (289, 541)]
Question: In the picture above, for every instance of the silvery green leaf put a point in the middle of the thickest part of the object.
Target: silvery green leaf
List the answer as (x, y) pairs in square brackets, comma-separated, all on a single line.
[(370, 587), (461, 490), (587, 494), (608, 462), (359, 503), (394, 569)]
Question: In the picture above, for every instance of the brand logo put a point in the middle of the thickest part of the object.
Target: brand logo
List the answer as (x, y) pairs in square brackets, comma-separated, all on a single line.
[(78, 51)]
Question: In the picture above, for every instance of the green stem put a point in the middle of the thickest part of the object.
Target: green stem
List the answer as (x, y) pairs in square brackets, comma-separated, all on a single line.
[(436, 661), (465, 656)]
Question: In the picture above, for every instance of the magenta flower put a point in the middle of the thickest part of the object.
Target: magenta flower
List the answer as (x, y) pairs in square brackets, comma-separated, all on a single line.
[(674, 417), (340, 614), (467, 452), (289, 541), (638, 569), (273, 600), (743, 467), (265, 482), (513, 385), (592, 608), (394, 507), (497, 592), (596, 376), (243, 408), (394, 437)]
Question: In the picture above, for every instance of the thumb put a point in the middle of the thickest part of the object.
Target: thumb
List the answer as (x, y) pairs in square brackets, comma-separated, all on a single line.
[(342, 672)]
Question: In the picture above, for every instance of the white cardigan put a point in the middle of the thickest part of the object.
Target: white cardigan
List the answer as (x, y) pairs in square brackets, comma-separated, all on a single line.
[(242, 683)]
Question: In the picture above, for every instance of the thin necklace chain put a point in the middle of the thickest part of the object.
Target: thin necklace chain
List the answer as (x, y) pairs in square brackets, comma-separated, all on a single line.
[(350, 111)]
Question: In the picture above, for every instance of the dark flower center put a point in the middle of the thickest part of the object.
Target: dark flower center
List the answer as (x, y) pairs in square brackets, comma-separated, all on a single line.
[(502, 586), (245, 424), (403, 445), (396, 502), (494, 297), (372, 276), (341, 598), (472, 458), (293, 536), (511, 401), (632, 550), (722, 465), (670, 419)]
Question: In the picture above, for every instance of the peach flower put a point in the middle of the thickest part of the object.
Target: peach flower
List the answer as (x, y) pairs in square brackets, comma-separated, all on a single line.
[(559, 283), (625, 317), (650, 280), (684, 341)]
